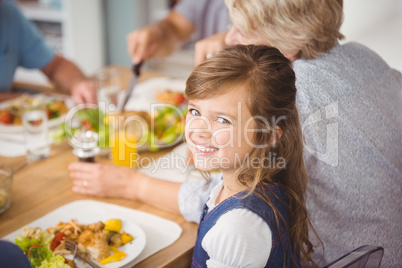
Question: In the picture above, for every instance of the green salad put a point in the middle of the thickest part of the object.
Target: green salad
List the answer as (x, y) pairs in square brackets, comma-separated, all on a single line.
[(90, 119), (35, 243), (165, 129)]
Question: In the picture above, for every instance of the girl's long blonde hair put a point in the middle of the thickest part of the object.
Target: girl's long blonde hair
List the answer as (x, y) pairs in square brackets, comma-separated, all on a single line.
[(269, 82)]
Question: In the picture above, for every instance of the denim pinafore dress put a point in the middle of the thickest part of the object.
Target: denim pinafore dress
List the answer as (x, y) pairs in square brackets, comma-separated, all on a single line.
[(255, 204)]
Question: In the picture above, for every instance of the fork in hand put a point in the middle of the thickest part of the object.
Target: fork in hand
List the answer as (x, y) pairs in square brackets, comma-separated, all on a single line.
[(72, 246)]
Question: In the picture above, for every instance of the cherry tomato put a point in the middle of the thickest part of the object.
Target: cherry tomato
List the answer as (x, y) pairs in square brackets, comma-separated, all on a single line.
[(179, 99), (59, 236), (36, 122), (6, 118), (53, 245), (57, 240), (86, 124)]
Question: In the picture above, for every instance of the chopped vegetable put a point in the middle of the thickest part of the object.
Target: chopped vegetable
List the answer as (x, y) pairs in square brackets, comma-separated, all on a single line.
[(11, 115), (113, 225), (45, 249), (33, 237), (90, 119), (57, 240), (116, 256), (39, 254), (35, 243), (31, 247), (125, 238), (55, 261), (42, 257)]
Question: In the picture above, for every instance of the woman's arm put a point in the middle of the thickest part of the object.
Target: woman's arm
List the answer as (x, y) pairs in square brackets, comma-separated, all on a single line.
[(121, 182)]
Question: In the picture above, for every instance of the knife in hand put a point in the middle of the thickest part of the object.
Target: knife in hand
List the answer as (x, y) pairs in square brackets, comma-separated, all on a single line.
[(129, 90)]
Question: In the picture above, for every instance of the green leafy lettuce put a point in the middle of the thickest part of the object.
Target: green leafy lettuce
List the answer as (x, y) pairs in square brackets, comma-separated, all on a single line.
[(91, 119)]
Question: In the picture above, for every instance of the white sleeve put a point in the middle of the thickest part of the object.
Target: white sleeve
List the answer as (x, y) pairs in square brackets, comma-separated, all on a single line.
[(193, 195), (240, 238)]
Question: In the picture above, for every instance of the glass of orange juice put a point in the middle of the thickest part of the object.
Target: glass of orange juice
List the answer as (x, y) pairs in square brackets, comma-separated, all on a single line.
[(126, 134), (123, 142)]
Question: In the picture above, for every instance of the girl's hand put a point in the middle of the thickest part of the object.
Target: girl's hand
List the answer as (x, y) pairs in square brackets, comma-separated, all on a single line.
[(104, 180)]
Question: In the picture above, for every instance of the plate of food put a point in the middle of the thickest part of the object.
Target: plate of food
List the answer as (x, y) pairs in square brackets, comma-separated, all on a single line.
[(108, 239), (159, 102), (154, 91), (162, 98), (11, 111)]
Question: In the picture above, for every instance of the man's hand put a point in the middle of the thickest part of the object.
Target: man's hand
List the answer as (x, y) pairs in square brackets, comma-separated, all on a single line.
[(208, 46), (68, 77)]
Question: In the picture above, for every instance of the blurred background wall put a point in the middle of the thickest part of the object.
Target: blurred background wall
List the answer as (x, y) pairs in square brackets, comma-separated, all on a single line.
[(122, 17), (377, 25)]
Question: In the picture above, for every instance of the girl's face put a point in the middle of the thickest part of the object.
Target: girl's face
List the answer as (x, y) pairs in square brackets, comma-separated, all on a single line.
[(219, 131)]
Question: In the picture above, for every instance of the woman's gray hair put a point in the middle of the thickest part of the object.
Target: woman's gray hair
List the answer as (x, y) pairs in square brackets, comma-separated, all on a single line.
[(304, 28)]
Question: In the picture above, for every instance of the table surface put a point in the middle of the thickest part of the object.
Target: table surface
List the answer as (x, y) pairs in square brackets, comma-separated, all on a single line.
[(43, 186)]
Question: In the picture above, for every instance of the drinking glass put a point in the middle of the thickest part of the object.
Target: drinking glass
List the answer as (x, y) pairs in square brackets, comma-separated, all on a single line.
[(35, 124), (127, 133), (6, 180), (108, 81)]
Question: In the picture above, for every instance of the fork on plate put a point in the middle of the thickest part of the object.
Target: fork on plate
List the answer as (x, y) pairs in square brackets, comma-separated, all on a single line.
[(72, 246)]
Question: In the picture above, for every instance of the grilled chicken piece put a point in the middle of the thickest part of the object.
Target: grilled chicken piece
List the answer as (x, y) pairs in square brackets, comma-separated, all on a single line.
[(94, 244)]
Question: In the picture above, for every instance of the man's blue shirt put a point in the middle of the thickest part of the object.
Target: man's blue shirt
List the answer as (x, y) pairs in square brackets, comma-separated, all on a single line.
[(20, 44)]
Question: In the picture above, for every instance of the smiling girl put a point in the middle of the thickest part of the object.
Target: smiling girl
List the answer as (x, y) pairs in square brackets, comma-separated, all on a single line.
[(242, 113)]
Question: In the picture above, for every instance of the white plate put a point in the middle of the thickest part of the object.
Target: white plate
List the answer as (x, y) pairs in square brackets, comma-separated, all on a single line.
[(144, 94), (85, 212), (52, 123)]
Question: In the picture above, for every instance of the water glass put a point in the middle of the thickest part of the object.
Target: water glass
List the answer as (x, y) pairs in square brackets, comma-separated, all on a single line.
[(108, 81), (35, 124), (6, 180)]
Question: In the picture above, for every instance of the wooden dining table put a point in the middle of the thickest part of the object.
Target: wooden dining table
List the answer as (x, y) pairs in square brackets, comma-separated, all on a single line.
[(43, 186)]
